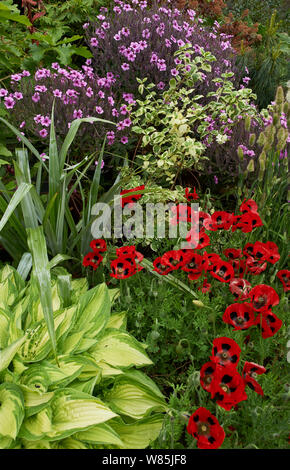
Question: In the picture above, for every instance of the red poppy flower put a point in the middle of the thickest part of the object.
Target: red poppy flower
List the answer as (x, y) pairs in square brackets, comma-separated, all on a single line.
[(183, 213), (197, 240), (235, 222), (222, 271), (206, 286), (260, 251), (273, 252), (218, 220), (248, 206), (225, 352), (240, 288), (233, 253), (228, 387), (122, 268), (161, 266), (263, 297), (269, 323), (248, 249), (202, 216), (254, 266), (249, 221), (98, 245), (284, 276), (92, 259), (212, 258), (130, 253), (250, 372), (204, 427), (240, 316), (191, 196), (131, 199), (195, 263), (126, 250), (207, 374), (176, 258), (239, 266)]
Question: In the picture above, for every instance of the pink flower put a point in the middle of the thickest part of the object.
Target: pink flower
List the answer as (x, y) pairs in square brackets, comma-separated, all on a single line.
[(3, 92), (94, 42), (125, 66), (57, 93), (18, 96), (43, 133), (45, 121), (35, 97), (99, 110), (124, 139), (77, 114), (9, 102)]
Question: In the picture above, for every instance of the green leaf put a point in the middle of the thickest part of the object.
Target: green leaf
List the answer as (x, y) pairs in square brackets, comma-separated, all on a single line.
[(11, 410), (119, 349), (37, 245), (140, 434), (7, 354), (17, 197)]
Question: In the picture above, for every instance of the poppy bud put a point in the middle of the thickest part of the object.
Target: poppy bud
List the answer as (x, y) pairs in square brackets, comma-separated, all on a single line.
[(275, 119), (198, 303)]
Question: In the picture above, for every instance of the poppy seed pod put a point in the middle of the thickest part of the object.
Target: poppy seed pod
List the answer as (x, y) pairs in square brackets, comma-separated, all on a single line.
[(240, 153)]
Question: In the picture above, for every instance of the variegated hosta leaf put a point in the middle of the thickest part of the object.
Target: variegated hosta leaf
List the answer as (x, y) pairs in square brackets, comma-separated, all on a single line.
[(35, 378), (93, 311), (4, 328), (140, 434), (118, 321), (11, 410), (5, 442), (131, 398), (73, 410), (34, 401), (38, 426), (35, 444), (109, 371), (36, 311), (119, 349), (7, 354), (69, 443), (100, 434), (11, 285), (38, 345)]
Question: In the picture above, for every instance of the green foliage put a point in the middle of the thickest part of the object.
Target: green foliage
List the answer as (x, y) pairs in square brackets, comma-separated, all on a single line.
[(174, 126), (79, 402), (268, 62), (23, 210)]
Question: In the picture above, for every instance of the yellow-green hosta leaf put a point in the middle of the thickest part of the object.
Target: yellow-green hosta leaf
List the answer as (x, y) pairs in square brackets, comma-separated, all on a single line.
[(35, 378), (38, 345), (73, 411), (131, 398), (11, 410), (145, 381), (42, 444), (15, 326), (71, 342), (7, 354), (109, 371), (37, 426), (119, 349), (11, 284), (5, 442), (100, 434), (86, 386), (118, 321), (4, 324), (140, 434), (114, 294), (37, 311), (93, 311), (34, 401), (69, 443), (85, 344), (79, 287)]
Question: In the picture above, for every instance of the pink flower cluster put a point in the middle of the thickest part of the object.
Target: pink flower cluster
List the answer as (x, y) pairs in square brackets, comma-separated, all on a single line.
[(77, 94), (141, 42)]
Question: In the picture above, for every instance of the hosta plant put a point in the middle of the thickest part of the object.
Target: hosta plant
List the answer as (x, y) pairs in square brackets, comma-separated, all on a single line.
[(91, 395)]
